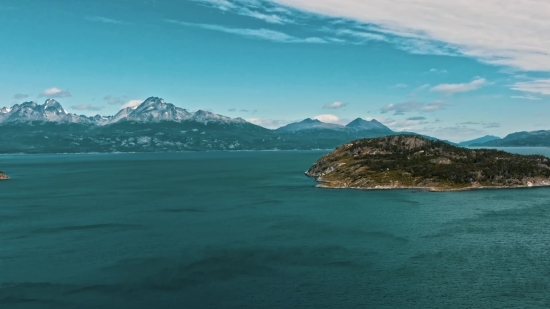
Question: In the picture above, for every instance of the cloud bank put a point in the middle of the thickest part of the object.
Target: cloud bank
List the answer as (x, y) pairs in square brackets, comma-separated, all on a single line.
[(506, 33)]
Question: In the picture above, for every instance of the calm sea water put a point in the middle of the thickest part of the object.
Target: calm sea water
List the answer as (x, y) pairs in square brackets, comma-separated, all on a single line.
[(248, 230)]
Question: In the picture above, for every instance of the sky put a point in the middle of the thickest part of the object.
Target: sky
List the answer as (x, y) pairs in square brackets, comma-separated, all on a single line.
[(450, 69)]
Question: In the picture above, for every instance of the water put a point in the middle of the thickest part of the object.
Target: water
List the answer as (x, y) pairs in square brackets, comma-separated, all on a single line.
[(248, 230)]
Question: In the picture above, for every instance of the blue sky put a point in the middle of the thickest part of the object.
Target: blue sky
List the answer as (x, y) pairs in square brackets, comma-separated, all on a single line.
[(450, 70)]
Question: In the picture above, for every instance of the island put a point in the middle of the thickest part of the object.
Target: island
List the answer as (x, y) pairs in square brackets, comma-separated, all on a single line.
[(414, 162), (3, 176)]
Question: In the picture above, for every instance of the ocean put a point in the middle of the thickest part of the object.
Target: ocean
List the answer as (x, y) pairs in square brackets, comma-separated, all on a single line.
[(249, 230)]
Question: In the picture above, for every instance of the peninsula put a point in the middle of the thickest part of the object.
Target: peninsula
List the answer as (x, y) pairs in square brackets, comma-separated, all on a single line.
[(410, 161), (3, 176)]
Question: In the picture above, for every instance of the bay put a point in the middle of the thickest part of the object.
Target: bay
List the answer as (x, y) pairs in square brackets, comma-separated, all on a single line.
[(249, 230)]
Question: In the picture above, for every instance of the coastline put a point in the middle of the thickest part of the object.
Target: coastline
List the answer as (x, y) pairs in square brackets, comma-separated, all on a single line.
[(322, 185)]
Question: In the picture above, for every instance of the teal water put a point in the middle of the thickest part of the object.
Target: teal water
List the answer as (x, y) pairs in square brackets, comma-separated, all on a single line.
[(248, 230)]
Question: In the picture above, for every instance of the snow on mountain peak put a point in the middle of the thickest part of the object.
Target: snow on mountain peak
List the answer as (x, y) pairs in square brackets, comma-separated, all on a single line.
[(153, 109)]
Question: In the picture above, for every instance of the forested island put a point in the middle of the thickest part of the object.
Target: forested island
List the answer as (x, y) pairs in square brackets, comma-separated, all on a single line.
[(409, 161)]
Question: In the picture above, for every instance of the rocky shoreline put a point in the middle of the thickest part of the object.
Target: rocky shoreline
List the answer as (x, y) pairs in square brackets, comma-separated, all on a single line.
[(331, 185)]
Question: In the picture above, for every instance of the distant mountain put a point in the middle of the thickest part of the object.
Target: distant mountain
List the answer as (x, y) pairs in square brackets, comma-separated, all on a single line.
[(356, 125), (158, 126), (481, 140), (521, 139), (364, 125), (309, 124)]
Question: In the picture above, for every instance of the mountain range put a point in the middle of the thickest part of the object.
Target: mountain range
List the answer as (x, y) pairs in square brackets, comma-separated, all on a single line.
[(151, 110), (156, 125), (480, 140), (520, 139)]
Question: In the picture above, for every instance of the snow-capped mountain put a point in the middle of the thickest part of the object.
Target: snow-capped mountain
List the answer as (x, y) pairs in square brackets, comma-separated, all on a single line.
[(50, 111), (364, 125), (156, 109), (101, 120), (122, 114), (151, 110), (206, 117)]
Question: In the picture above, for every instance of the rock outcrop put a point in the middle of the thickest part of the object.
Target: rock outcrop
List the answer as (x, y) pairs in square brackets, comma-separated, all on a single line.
[(408, 161)]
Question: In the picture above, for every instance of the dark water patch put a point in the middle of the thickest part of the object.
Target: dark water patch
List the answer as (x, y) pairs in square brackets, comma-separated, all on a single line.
[(181, 210), (214, 265), (88, 227)]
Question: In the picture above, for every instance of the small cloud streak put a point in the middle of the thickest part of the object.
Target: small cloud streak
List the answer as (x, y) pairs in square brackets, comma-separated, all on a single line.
[(413, 106), (55, 93), (262, 34), (436, 71), (397, 86), (112, 100), (87, 107), (105, 20), (417, 118), (404, 125), (20, 96), (456, 88), (537, 86), (491, 125), (335, 105), (525, 97)]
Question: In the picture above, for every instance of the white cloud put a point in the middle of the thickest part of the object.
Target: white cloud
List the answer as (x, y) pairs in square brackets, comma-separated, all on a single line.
[(131, 103), (464, 87), (508, 33), (264, 34), (55, 93), (525, 97), (328, 118), (538, 86), (335, 105)]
